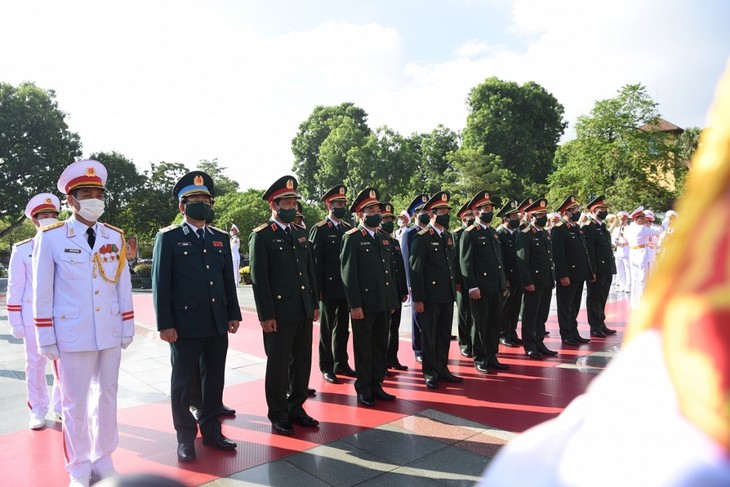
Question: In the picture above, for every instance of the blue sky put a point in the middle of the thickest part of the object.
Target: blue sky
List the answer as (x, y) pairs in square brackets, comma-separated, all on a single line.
[(183, 80)]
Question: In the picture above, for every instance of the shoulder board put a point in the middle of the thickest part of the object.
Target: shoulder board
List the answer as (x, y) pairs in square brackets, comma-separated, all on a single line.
[(559, 224), (298, 227), (168, 228), (260, 227), (218, 229), (470, 228), (343, 222), (52, 226), (114, 228), (17, 244), (321, 223), (351, 231), (425, 231), (527, 229)]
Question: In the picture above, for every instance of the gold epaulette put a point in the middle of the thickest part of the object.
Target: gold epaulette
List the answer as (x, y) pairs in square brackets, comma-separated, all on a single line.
[(52, 226), (260, 227), (527, 229), (470, 228), (114, 228), (352, 230), (170, 227), (23, 241), (559, 224), (321, 223), (425, 231)]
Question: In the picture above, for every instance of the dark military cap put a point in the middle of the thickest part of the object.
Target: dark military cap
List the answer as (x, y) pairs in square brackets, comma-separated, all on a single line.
[(336, 193), (483, 197), (599, 200), (367, 197), (284, 187), (195, 182), (508, 209), (418, 202), (569, 202), (386, 209), (464, 210), (539, 205), (438, 200), (525, 203)]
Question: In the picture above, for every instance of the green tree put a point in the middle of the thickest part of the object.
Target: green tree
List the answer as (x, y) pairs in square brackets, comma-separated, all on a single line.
[(617, 153), (474, 170), (223, 183), (521, 124), (35, 146), (123, 185), (308, 144), (247, 210), (433, 166)]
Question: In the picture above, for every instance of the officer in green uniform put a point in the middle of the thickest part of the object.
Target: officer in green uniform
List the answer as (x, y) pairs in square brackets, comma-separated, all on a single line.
[(572, 269), (463, 306), (372, 295), (387, 226), (285, 291), (537, 276), (334, 327), (507, 233), (480, 257), (433, 288), (598, 242), (196, 307)]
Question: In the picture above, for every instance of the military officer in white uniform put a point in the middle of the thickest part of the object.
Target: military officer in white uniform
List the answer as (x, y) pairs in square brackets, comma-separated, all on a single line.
[(236, 254), (621, 252), (42, 210), (82, 309), (638, 236)]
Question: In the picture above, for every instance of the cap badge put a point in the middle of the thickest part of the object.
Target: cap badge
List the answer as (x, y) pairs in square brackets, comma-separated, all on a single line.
[(289, 184), (513, 204), (444, 197), (542, 204), (198, 180), (90, 171), (372, 193), (486, 195), (48, 201), (572, 199), (342, 190), (424, 198)]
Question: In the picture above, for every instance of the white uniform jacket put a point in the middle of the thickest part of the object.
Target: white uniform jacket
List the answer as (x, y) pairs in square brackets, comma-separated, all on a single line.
[(77, 304), (618, 239), (638, 237), (20, 285)]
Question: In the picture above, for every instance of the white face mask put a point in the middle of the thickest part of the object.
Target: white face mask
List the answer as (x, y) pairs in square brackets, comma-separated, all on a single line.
[(401, 222), (47, 221), (91, 209)]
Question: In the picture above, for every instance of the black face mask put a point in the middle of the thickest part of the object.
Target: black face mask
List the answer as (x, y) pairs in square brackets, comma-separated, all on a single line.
[(211, 216), (339, 212), (443, 220), (575, 216), (513, 224), (470, 222), (486, 216), (388, 227), (602, 214), (540, 221), (423, 219), (287, 216), (373, 221), (198, 211)]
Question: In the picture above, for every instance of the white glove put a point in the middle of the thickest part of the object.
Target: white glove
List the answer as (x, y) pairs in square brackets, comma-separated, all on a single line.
[(49, 351), (126, 341), (19, 331)]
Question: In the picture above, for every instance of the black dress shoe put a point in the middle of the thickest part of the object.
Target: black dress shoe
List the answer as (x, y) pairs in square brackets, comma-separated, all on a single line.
[(570, 342), (495, 364), (507, 342), (226, 411), (311, 392), (283, 428), (346, 371), (465, 352), (546, 351), (517, 340), (366, 400), (389, 373), (305, 420), (383, 396), (534, 355), (547, 333), (432, 384), (186, 452), (219, 442), (481, 368), (398, 366), (449, 377), (330, 377), (608, 331), (598, 334), (580, 339), (454, 337)]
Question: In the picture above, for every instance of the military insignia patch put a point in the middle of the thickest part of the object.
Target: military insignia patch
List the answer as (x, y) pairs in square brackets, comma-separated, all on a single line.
[(217, 243), (289, 184), (90, 171)]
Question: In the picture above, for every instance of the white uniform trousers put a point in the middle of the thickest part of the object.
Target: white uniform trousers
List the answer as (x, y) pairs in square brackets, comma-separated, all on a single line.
[(623, 271), (89, 380), (638, 282), (35, 378), (236, 270)]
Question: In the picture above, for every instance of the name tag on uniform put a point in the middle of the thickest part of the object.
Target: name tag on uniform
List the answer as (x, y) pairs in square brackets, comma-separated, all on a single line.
[(365, 243), (386, 242), (277, 240), (217, 243), (184, 244), (72, 251), (302, 239), (434, 243)]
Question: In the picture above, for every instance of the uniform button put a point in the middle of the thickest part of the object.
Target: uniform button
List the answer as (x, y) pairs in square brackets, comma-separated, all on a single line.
[(485, 273), (281, 248), (536, 272), (387, 283), (433, 282), (499, 267), (205, 251), (211, 283), (63, 317), (96, 292), (186, 307), (278, 296), (366, 289), (301, 274), (367, 250), (386, 272), (212, 300), (185, 253), (207, 266), (302, 287), (97, 308)]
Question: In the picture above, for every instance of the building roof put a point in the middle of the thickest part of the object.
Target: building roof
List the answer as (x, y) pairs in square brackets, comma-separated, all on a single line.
[(662, 126)]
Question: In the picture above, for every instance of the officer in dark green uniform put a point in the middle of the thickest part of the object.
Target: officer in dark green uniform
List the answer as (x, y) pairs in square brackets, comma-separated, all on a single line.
[(387, 225), (334, 327), (537, 275), (480, 257), (372, 295), (572, 269), (196, 307), (463, 306), (507, 233), (285, 291), (433, 288), (598, 242)]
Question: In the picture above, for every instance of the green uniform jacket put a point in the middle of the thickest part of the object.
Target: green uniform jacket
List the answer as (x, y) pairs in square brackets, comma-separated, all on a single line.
[(534, 258), (432, 267), (458, 276), (509, 254), (570, 252), (598, 242), (480, 257), (282, 274), (326, 239), (192, 282), (399, 269), (367, 271)]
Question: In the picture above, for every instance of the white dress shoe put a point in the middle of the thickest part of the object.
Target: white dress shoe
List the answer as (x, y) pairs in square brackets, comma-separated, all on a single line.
[(36, 423)]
